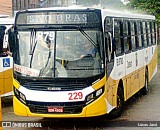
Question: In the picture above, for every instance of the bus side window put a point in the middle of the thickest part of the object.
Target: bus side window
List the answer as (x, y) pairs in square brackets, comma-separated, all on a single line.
[(118, 37), (133, 33), (126, 36), (2, 30), (1, 41), (141, 44), (149, 34), (153, 33), (136, 35), (139, 41), (108, 38), (144, 34)]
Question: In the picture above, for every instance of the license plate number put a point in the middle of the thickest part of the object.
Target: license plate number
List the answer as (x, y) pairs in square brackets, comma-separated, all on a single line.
[(55, 109)]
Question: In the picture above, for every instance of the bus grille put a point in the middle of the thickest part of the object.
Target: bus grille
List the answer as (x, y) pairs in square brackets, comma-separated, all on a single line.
[(41, 108), (48, 86)]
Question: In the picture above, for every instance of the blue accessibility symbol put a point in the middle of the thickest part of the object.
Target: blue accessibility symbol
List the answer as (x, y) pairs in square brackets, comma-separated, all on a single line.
[(6, 62)]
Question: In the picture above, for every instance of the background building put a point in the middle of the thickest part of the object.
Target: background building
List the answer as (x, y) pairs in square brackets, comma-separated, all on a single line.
[(8, 7), (28, 4)]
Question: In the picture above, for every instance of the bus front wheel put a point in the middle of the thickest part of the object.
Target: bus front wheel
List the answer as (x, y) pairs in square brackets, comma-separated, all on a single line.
[(116, 112)]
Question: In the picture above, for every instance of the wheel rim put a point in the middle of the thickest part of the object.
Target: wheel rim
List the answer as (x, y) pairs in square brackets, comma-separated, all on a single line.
[(146, 85), (119, 102)]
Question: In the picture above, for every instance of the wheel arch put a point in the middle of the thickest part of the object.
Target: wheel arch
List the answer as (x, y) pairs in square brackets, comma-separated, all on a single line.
[(118, 98), (146, 70), (121, 86)]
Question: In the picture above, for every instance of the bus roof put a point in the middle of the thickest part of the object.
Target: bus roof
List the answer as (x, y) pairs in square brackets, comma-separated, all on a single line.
[(105, 12), (6, 21), (59, 8), (125, 14), (3, 16)]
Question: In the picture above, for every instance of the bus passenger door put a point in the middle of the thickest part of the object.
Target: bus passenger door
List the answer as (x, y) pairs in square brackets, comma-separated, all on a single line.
[(109, 67), (6, 67), (109, 53), (109, 45), (109, 60)]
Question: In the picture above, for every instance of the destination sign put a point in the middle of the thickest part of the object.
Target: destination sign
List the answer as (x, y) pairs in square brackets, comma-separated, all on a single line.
[(57, 18)]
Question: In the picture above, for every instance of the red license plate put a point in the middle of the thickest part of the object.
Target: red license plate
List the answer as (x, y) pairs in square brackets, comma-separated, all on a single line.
[(55, 109)]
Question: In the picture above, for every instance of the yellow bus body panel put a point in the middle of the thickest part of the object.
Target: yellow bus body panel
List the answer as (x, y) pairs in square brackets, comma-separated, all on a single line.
[(97, 107), (6, 77), (8, 81), (132, 83)]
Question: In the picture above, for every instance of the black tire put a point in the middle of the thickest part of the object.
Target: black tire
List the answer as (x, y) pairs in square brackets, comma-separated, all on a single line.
[(145, 89), (116, 112)]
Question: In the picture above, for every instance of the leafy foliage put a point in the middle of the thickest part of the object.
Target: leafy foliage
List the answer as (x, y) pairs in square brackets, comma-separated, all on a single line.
[(110, 4), (149, 6)]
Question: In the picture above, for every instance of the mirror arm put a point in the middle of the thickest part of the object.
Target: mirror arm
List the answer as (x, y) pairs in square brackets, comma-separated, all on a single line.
[(111, 44), (5, 39)]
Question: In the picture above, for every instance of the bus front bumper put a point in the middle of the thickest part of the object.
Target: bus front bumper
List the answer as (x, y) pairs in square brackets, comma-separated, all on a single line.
[(96, 108)]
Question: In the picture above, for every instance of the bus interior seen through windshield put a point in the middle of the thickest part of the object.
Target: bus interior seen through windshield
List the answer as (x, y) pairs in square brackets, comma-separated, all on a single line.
[(59, 53)]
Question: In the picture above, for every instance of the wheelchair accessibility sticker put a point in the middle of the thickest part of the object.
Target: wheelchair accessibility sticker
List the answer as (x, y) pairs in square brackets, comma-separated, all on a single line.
[(6, 62)]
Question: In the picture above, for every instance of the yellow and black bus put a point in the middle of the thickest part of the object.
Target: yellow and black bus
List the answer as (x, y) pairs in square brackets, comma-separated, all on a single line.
[(6, 61), (81, 62)]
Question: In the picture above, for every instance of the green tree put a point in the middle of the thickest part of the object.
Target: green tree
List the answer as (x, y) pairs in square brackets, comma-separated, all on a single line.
[(108, 4), (87, 2), (149, 6)]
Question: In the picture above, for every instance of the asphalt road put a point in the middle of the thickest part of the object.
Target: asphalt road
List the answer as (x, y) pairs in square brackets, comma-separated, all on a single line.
[(140, 112)]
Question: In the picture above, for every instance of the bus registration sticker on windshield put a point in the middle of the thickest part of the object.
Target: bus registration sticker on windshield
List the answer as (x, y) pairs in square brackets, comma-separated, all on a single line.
[(55, 109), (26, 70)]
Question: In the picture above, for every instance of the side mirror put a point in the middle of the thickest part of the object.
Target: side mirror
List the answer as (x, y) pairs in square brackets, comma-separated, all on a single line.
[(5, 40)]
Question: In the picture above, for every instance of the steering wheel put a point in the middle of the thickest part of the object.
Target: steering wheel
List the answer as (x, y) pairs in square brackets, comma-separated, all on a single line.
[(60, 71)]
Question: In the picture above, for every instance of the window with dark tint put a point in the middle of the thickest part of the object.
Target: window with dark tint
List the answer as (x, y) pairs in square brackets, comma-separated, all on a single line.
[(126, 36), (149, 33), (146, 24), (139, 34), (136, 35), (153, 33), (133, 34), (109, 25), (118, 36), (2, 31), (150, 25), (144, 34), (109, 29)]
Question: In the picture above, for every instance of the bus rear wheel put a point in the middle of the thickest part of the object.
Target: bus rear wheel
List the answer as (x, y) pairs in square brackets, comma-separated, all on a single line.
[(145, 89), (116, 112)]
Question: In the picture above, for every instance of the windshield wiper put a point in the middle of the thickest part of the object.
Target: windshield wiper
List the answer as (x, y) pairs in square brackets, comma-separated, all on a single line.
[(88, 37), (44, 70), (33, 43)]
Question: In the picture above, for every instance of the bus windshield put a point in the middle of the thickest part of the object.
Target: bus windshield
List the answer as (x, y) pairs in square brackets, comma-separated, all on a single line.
[(58, 53)]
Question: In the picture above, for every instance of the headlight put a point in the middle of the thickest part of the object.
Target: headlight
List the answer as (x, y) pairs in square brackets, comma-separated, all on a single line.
[(94, 95), (20, 95)]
